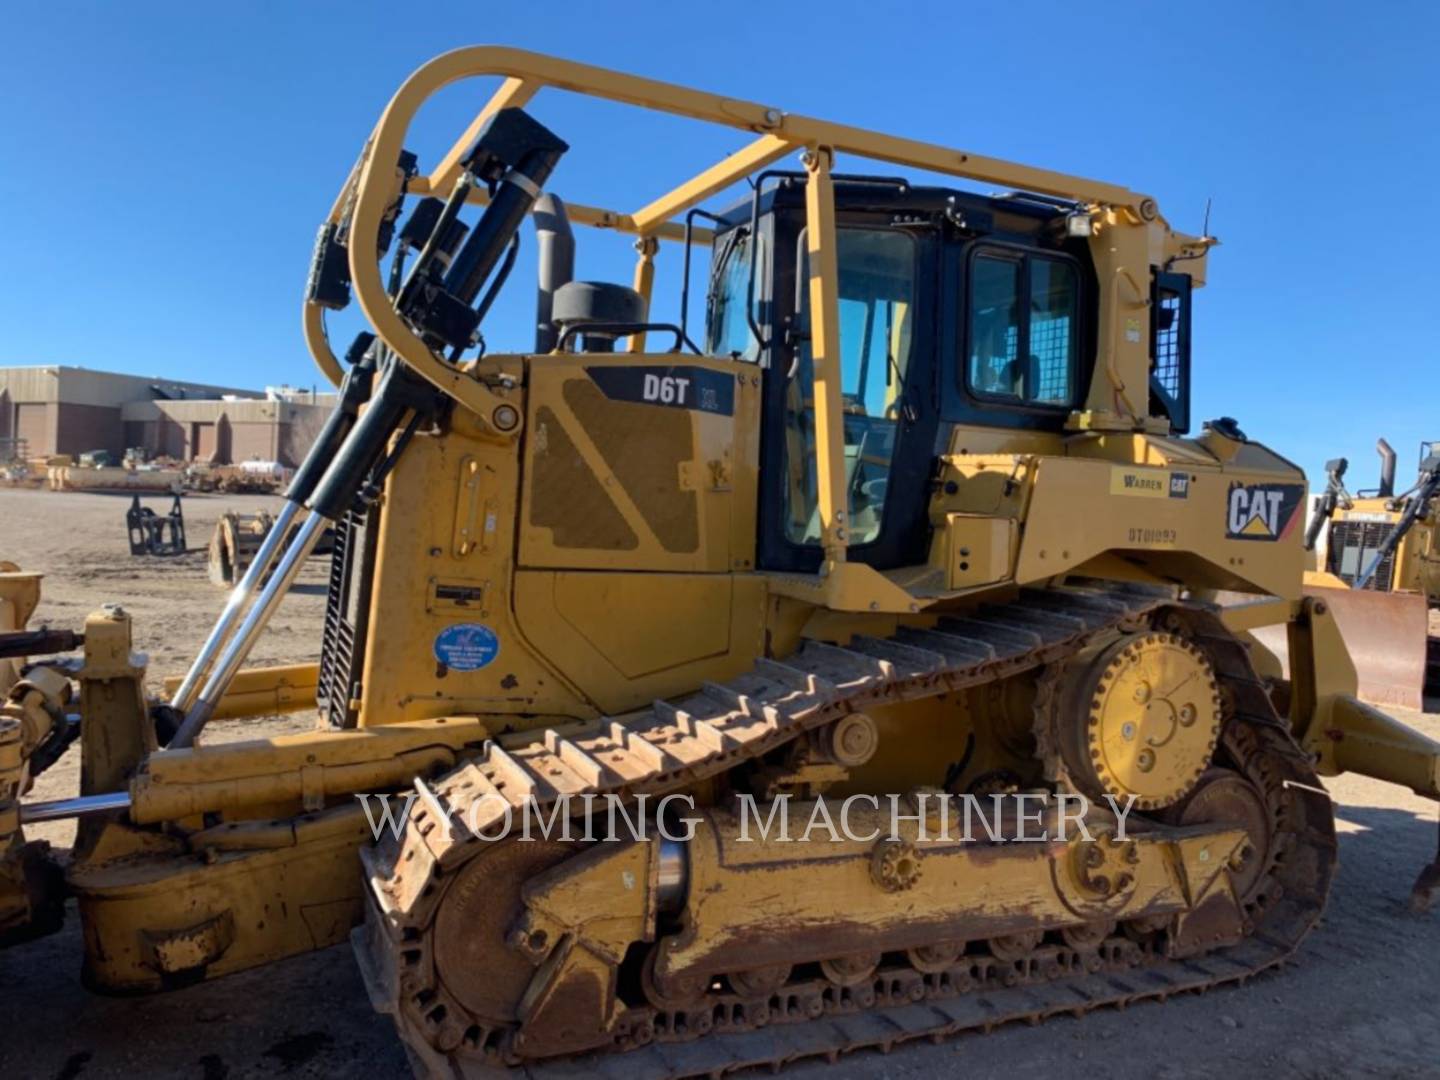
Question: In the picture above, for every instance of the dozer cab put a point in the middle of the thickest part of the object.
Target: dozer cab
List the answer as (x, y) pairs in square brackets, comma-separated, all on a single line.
[(917, 519)]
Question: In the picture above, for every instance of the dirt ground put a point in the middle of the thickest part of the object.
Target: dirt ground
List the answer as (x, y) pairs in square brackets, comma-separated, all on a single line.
[(1362, 998)]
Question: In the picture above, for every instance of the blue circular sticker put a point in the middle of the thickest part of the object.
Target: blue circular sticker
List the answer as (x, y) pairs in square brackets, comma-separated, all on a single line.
[(466, 646)]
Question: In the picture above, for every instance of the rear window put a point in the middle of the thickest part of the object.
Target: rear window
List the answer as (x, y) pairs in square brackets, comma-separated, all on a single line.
[(1022, 338)]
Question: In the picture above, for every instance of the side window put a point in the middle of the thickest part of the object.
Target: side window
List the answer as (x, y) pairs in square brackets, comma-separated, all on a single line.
[(1170, 349), (995, 285), (1053, 296), (727, 331), (1022, 334)]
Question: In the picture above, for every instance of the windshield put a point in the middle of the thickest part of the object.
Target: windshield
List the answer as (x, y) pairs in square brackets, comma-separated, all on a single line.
[(727, 330), (877, 312)]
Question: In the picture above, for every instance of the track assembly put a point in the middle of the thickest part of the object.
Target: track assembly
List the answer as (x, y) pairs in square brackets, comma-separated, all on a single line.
[(476, 981)]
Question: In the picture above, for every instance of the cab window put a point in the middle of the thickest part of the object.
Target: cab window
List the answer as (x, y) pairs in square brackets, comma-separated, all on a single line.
[(876, 293), (727, 331), (1022, 335)]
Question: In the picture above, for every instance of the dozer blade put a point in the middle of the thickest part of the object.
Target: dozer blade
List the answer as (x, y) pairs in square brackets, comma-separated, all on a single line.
[(1385, 633)]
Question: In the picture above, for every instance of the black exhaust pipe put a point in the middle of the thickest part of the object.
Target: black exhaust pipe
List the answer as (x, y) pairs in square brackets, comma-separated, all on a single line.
[(1387, 468), (555, 244)]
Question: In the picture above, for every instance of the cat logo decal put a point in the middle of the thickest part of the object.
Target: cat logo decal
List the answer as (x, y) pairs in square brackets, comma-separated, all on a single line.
[(1262, 511)]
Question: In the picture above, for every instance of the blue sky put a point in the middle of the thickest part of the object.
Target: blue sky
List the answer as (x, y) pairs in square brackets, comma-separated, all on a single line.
[(163, 166)]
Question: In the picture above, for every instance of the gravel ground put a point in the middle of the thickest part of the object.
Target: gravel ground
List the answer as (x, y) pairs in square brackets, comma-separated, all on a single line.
[(1362, 997)]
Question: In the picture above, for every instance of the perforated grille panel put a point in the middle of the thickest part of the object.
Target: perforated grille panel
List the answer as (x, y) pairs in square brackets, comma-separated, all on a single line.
[(567, 496), (644, 447), (1353, 546)]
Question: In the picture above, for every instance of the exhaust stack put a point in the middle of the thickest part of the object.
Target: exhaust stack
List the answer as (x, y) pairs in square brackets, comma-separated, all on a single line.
[(1387, 468), (555, 244)]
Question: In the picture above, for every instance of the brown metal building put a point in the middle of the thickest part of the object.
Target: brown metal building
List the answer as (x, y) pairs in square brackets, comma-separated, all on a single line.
[(56, 409), (224, 432)]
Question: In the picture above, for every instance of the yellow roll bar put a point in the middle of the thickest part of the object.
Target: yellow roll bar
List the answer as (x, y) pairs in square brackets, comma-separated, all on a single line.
[(370, 186), (374, 183)]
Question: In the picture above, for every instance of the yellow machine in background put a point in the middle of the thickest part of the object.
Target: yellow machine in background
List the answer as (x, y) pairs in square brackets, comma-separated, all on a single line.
[(923, 515), (1379, 568), (1383, 541)]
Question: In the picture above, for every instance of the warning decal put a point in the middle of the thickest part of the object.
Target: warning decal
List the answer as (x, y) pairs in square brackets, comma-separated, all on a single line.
[(466, 646)]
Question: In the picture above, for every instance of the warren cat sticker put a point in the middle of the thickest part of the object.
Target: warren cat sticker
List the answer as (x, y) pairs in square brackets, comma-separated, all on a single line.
[(1149, 483), (1262, 511), (675, 387), (466, 646)]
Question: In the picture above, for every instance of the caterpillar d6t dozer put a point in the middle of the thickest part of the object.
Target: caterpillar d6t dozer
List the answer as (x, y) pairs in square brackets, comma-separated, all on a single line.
[(1379, 570), (917, 527)]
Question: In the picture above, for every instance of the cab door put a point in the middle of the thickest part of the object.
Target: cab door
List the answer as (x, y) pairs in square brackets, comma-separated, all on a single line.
[(887, 292)]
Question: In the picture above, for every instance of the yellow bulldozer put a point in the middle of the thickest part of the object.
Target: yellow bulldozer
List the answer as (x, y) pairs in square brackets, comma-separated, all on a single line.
[(1379, 568), (919, 526)]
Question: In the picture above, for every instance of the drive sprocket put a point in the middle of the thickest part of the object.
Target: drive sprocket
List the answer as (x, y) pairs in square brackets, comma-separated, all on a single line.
[(1136, 718)]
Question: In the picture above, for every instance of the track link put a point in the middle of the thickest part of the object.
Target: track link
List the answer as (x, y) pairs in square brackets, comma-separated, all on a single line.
[(672, 745)]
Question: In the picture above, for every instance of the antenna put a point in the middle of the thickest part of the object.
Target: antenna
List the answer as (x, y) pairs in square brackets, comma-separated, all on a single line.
[(1205, 228)]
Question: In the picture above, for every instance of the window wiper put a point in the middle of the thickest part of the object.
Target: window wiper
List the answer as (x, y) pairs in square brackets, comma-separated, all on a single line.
[(907, 410), (718, 268)]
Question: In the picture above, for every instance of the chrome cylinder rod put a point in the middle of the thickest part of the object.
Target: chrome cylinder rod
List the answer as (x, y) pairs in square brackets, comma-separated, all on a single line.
[(81, 806), (239, 645), (235, 605), (674, 875)]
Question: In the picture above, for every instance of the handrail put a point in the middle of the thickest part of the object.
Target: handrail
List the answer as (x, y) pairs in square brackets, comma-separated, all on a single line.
[(525, 73)]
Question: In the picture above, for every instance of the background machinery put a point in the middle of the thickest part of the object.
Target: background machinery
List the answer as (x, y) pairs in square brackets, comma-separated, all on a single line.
[(1379, 568), (237, 538), (1383, 541), (922, 516), (151, 533)]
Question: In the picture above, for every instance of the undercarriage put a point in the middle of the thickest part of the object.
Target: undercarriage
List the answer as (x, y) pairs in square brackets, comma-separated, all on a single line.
[(513, 951)]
